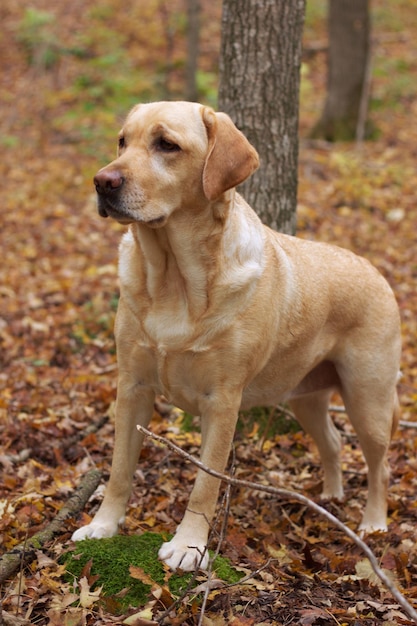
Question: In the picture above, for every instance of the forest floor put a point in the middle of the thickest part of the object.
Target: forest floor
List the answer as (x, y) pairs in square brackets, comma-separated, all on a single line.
[(58, 295)]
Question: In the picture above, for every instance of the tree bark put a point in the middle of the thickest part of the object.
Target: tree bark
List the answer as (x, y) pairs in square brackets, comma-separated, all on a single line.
[(259, 88), (193, 36), (348, 65)]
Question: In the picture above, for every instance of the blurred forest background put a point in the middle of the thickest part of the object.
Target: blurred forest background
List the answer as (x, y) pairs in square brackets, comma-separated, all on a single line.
[(69, 74)]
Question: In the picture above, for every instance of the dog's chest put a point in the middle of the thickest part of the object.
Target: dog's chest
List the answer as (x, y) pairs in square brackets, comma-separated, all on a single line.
[(169, 327), (179, 352)]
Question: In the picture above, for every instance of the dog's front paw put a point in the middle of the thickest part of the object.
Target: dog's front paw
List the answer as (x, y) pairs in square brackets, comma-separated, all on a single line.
[(368, 528), (329, 494), (95, 530), (189, 556)]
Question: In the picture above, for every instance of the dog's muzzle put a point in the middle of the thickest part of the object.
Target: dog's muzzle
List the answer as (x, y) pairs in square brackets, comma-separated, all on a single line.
[(108, 184)]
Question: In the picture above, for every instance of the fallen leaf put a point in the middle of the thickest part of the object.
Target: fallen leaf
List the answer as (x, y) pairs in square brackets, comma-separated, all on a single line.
[(142, 618), (364, 570), (310, 616), (139, 574), (88, 597)]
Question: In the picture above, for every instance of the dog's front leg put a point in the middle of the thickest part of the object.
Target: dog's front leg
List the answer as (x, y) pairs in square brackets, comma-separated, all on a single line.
[(187, 550), (134, 406)]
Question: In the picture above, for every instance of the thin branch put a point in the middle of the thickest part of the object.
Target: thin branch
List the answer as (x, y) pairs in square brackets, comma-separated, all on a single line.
[(8, 460), (11, 561), (222, 534), (405, 424), (337, 409), (191, 584), (333, 408), (292, 495), (252, 574), (12, 620), (92, 428), (402, 423)]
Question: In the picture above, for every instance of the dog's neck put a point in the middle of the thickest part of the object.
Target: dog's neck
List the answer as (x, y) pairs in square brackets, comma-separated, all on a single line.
[(218, 249)]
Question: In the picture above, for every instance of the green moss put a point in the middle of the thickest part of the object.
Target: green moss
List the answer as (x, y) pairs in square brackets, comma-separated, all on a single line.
[(189, 423), (271, 420), (110, 560), (225, 571)]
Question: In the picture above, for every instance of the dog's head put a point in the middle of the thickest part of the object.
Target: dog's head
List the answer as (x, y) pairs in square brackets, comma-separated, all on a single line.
[(172, 155)]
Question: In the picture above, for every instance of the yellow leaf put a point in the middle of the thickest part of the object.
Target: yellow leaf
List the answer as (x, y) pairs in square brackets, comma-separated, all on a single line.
[(159, 592), (88, 597), (143, 617), (280, 553), (365, 570)]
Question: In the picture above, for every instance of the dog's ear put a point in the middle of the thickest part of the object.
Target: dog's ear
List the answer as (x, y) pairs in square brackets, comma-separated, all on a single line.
[(230, 157)]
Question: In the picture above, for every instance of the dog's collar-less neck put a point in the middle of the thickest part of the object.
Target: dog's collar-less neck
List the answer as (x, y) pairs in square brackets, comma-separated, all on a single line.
[(229, 254)]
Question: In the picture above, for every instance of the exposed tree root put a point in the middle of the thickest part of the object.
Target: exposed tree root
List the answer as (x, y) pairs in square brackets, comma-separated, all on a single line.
[(13, 560)]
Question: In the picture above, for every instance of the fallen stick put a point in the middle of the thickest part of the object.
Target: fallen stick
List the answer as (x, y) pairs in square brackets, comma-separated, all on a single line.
[(8, 460), (341, 409), (12, 620), (405, 424), (293, 495), (12, 561)]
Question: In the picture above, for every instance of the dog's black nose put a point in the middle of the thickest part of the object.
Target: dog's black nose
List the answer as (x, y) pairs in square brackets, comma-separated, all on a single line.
[(106, 180)]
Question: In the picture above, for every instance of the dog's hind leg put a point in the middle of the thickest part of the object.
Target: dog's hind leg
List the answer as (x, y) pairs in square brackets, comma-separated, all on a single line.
[(373, 412), (311, 412)]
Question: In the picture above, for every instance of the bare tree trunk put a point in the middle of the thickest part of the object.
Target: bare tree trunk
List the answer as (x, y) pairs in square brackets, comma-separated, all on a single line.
[(169, 34), (193, 35), (348, 78), (259, 88)]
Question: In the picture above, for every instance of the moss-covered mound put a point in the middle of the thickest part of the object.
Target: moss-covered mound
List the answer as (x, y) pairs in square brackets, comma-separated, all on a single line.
[(110, 559)]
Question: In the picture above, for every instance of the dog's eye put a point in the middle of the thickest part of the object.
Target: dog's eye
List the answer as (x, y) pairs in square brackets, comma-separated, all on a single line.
[(121, 142), (164, 145)]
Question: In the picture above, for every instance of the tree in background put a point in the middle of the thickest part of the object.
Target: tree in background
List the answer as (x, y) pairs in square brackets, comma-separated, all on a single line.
[(346, 104), (259, 88), (193, 36)]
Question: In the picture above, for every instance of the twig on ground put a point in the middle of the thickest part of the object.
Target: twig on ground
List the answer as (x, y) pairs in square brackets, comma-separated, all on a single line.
[(92, 428), (292, 495), (9, 460), (341, 409), (222, 534), (405, 424), (11, 561), (337, 409), (252, 574), (191, 584), (12, 620), (402, 423)]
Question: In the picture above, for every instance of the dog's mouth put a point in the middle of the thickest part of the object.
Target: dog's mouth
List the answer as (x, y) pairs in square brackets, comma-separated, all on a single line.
[(107, 209)]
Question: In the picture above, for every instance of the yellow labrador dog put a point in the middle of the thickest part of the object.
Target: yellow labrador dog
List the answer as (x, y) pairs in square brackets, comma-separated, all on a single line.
[(219, 313)]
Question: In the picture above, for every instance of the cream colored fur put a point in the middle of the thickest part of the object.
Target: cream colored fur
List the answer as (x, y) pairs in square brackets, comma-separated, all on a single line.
[(218, 312)]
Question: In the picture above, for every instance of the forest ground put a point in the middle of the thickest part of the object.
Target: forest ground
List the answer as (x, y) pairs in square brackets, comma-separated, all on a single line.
[(65, 86)]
